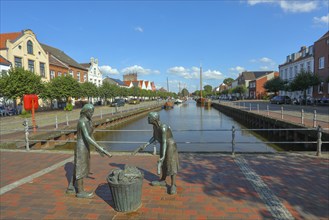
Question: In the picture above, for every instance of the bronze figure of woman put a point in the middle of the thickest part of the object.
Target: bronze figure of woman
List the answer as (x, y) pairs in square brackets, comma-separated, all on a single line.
[(85, 138), (168, 162)]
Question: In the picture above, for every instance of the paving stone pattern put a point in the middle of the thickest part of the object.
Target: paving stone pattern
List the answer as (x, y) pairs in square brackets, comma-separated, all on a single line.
[(210, 186)]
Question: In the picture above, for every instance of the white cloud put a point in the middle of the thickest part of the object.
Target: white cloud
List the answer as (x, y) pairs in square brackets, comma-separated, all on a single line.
[(321, 20), (194, 73), (264, 68), (212, 74), (108, 70), (265, 60), (238, 69), (265, 63), (139, 70), (139, 29), (289, 5)]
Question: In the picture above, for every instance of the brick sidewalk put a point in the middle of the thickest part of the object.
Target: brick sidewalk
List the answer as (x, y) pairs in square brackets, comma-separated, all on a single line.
[(210, 186)]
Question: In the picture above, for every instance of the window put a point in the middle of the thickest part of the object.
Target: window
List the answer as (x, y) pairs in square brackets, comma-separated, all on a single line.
[(301, 66), (59, 74), (320, 88), (4, 72), (18, 62), (309, 66), (85, 78), (78, 76), (29, 47), (71, 73), (296, 70), (31, 65), (42, 70), (321, 62), (52, 74), (286, 74)]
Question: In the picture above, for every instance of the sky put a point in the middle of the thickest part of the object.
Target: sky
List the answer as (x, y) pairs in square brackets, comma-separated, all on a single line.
[(167, 41)]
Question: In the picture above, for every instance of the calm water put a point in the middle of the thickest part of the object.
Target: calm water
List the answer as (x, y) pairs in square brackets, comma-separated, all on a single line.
[(184, 119)]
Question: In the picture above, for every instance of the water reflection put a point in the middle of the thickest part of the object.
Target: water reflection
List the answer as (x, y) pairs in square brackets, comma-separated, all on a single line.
[(196, 121)]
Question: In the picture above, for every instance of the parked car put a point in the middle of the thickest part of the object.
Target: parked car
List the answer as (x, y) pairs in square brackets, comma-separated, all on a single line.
[(324, 101), (118, 102), (280, 99), (134, 101)]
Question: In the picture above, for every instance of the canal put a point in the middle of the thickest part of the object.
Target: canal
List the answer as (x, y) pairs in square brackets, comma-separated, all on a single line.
[(195, 129)]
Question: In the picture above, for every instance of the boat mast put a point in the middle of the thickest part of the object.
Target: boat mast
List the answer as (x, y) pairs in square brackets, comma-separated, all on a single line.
[(200, 81)]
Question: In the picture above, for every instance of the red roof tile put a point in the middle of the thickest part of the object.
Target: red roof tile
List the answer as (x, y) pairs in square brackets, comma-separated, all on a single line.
[(8, 36), (3, 61)]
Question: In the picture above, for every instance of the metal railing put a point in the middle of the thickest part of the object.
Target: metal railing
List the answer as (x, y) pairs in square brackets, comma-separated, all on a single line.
[(64, 119), (311, 119), (233, 142)]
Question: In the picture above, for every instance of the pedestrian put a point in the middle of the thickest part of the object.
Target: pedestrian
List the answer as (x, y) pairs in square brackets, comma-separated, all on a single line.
[(85, 138)]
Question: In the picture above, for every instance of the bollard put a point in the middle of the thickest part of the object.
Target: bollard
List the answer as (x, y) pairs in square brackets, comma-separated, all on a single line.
[(319, 141), (302, 116), (67, 120), (154, 149), (258, 108), (281, 112), (56, 122), (314, 119), (233, 141), (268, 110), (26, 124)]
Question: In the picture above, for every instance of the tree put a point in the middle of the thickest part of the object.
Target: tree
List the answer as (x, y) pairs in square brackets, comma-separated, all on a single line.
[(65, 87), (274, 85), (208, 89), (303, 81), (19, 82), (228, 81), (241, 89), (88, 89), (185, 92), (107, 90)]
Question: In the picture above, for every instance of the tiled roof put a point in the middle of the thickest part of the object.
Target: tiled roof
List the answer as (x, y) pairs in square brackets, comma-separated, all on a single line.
[(251, 75), (326, 35), (85, 65), (62, 56), (8, 36), (4, 62), (56, 62), (127, 83), (119, 82)]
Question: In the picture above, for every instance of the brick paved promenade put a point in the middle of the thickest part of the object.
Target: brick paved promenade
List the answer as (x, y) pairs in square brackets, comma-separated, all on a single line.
[(210, 186)]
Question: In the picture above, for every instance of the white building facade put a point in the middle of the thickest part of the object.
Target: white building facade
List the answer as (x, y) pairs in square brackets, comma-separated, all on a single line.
[(304, 59), (95, 76)]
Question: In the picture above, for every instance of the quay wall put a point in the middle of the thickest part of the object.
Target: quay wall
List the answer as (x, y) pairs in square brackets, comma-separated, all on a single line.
[(253, 120), (57, 138)]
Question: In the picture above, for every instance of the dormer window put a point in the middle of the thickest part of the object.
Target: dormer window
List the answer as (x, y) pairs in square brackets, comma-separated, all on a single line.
[(29, 47)]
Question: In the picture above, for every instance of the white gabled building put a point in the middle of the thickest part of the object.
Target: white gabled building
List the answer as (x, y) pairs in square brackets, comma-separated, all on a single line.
[(295, 62), (95, 75)]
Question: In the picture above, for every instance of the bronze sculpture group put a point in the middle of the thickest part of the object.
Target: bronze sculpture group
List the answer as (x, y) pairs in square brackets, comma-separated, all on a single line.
[(168, 163)]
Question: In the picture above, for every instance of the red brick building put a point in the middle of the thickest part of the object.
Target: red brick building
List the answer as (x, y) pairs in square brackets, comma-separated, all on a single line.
[(256, 87), (321, 66), (62, 62)]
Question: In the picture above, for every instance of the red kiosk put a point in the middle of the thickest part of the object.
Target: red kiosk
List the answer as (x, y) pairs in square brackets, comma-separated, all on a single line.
[(31, 103)]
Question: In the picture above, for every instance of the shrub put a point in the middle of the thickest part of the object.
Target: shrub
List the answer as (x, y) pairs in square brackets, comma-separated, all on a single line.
[(68, 107)]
